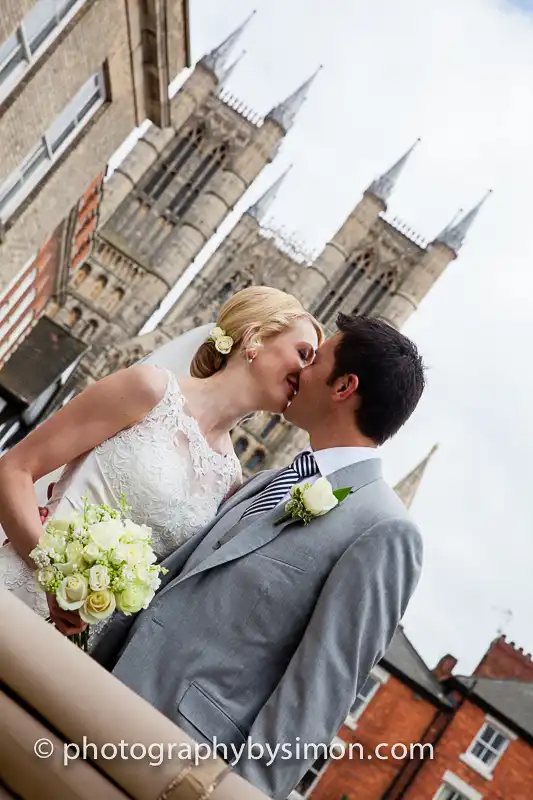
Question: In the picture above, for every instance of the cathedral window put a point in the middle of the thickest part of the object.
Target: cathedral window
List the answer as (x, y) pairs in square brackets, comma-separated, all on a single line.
[(269, 427), (379, 288), (99, 286), (206, 169), (351, 275), (116, 298), (89, 330), (256, 460), (171, 165), (241, 445), (82, 273), (73, 316)]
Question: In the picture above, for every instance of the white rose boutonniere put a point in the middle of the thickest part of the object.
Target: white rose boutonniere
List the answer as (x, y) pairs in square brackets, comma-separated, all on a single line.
[(308, 502)]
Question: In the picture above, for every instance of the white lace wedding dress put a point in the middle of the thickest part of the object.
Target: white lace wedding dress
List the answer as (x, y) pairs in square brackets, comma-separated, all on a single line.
[(172, 479)]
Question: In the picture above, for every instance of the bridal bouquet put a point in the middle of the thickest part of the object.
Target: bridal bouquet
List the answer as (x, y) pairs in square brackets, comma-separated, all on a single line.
[(97, 562)]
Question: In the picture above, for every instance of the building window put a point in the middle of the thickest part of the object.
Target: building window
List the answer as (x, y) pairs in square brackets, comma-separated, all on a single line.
[(487, 748), (173, 162), (351, 275), (41, 25), (89, 330), (256, 460), (117, 295), (98, 288), (73, 316), (448, 793), (271, 424), (374, 681), (52, 144), (241, 445), (309, 781), (206, 169), (455, 788), (82, 274)]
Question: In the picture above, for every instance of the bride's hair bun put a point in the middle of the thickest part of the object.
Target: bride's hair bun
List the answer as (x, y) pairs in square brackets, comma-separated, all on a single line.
[(206, 361), (253, 314)]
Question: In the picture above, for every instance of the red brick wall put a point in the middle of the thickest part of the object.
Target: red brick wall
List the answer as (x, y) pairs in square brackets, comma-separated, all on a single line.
[(504, 660), (512, 777), (394, 715)]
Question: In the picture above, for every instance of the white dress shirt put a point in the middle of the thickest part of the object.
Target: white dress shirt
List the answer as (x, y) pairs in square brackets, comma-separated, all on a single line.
[(334, 458)]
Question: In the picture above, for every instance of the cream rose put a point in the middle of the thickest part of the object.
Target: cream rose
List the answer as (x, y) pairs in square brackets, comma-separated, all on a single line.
[(72, 592), (319, 498), (91, 552), (224, 344), (106, 534), (47, 576), (99, 578), (134, 597), (98, 606)]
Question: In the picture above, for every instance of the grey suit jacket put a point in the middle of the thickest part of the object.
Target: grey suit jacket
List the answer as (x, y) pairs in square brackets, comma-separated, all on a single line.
[(269, 636)]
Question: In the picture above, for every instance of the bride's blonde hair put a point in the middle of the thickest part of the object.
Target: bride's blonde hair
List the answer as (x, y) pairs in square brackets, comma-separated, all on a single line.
[(251, 315)]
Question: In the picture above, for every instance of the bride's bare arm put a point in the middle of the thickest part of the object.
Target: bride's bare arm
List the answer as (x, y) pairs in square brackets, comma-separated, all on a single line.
[(101, 411)]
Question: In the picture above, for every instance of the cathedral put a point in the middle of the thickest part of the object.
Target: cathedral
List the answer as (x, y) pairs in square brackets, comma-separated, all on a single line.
[(169, 197)]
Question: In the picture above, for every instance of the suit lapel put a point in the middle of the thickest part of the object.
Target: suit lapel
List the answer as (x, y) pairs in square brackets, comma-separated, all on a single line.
[(259, 531)]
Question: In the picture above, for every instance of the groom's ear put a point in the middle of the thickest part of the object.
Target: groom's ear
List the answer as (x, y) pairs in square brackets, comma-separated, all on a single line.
[(345, 387)]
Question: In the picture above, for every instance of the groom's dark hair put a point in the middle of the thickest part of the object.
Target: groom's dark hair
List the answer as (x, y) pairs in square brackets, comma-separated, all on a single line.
[(389, 369)]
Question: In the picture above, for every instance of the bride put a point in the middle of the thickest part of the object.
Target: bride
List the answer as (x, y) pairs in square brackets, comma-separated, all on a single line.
[(158, 432)]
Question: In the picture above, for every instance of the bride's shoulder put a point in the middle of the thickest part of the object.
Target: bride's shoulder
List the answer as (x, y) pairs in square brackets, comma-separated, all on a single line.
[(147, 382)]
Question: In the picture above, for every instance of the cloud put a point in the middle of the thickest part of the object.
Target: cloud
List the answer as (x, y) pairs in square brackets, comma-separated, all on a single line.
[(458, 74)]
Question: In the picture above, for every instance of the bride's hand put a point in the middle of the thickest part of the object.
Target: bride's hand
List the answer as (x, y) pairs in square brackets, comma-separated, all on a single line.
[(67, 622)]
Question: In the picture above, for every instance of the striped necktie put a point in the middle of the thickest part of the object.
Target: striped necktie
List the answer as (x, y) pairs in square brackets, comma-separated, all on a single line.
[(303, 466)]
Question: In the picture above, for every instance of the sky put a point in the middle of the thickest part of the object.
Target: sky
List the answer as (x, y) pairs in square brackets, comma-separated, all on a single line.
[(458, 74)]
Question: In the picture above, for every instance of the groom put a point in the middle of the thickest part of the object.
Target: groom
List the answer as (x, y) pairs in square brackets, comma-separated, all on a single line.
[(263, 634)]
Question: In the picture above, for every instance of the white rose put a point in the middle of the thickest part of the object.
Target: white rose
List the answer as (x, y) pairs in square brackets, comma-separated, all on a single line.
[(53, 542), (76, 519), (131, 554), (134, 597), (106, 534), (91, 552), (98, 578), (74, 558), (135, 533), (72, 592), (98, 606), (149, 576), (319, 498)]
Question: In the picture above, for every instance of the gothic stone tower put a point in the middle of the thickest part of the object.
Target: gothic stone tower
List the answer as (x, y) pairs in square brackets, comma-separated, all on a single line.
[(164, 203), (372, 266)]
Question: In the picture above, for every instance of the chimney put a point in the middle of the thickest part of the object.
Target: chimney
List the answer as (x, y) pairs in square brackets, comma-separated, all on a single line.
[(504, 659), (445, 667)]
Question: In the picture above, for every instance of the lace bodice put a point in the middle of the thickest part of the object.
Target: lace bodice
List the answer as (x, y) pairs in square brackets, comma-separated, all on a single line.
[(171, 477), (168, 472)]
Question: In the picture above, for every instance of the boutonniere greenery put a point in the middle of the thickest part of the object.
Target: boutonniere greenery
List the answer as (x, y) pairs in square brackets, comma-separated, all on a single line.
[(308, 502)]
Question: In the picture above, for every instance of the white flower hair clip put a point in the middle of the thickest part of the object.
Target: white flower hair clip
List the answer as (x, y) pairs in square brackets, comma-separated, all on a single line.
[(223, 342)]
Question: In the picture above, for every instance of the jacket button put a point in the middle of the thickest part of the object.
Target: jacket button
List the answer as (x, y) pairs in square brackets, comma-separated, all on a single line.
[(217, 545)]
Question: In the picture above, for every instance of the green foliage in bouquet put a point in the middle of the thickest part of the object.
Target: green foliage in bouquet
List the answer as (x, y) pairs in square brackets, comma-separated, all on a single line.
[(96, 562)]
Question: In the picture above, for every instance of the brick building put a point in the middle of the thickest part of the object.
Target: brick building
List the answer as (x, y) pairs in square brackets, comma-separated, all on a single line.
[(42, 282), (37, 354), (476, 732), (76, 76)]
